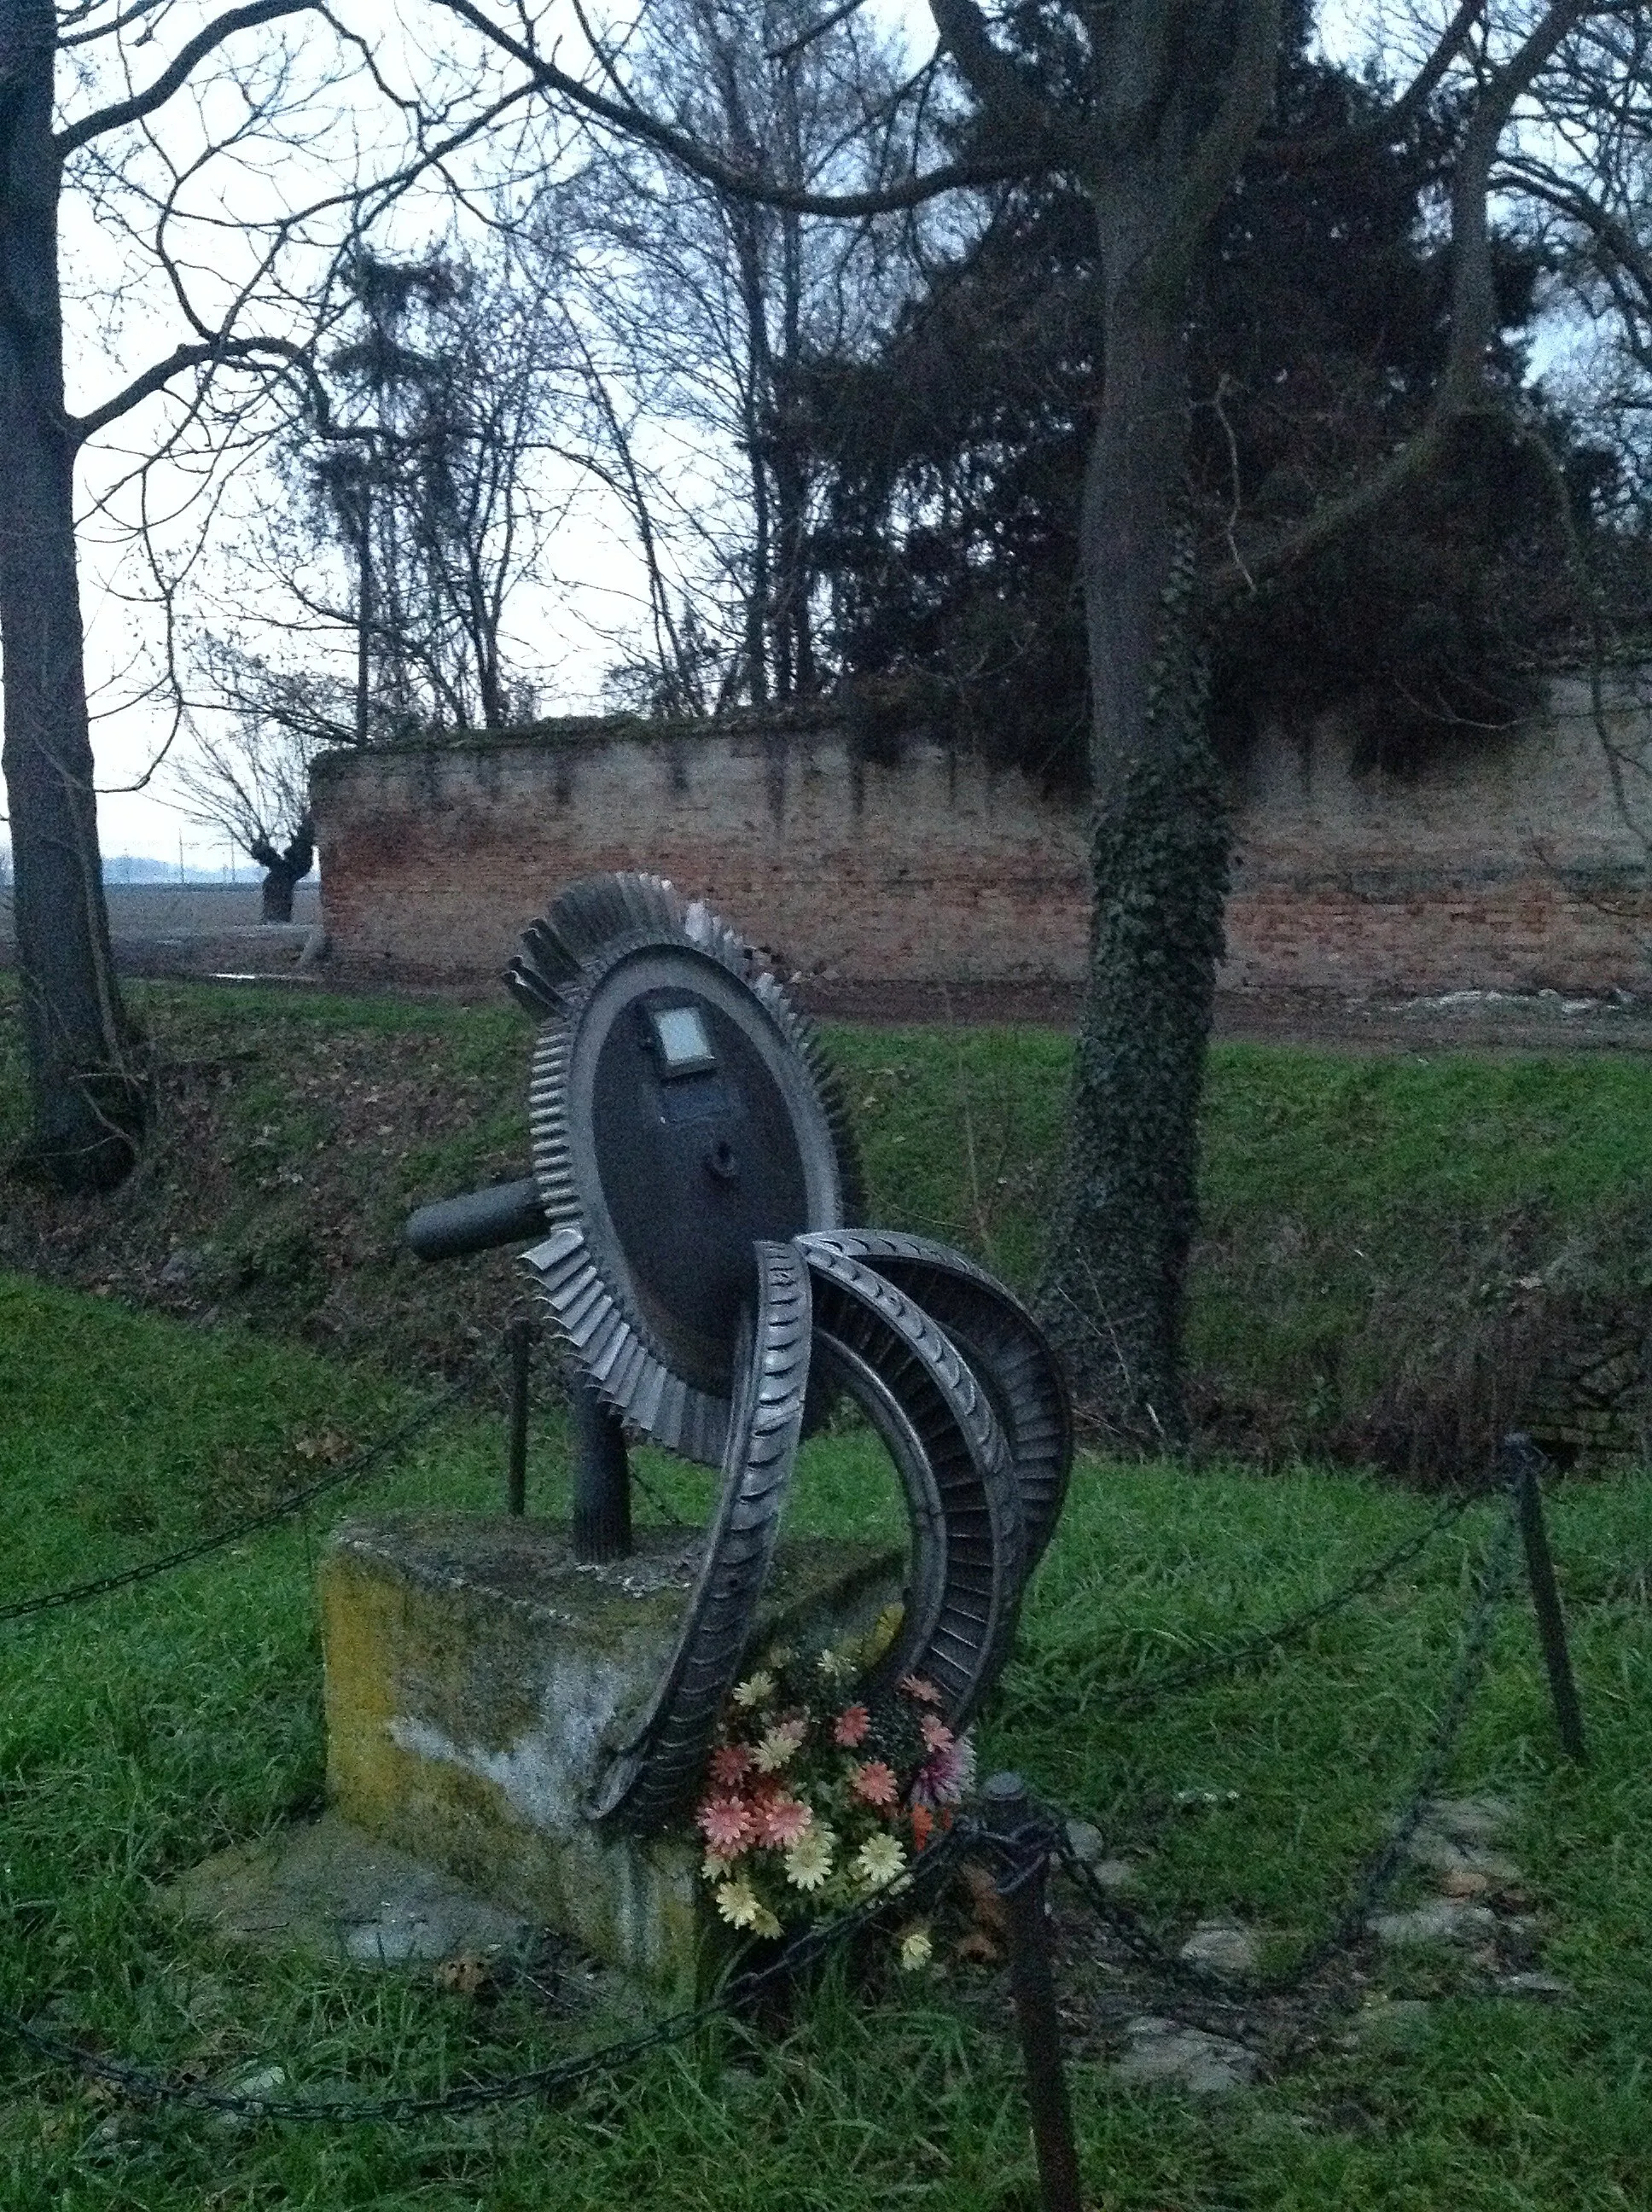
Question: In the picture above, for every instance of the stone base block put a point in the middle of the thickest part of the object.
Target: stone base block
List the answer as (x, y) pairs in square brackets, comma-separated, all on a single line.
[(477, 1675)]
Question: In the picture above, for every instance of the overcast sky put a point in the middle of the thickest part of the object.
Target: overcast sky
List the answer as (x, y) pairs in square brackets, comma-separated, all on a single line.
[(121, 627)]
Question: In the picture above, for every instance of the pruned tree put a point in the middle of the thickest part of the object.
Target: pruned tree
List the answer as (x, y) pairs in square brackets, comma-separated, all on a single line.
[(246, 772), (1155, 109)]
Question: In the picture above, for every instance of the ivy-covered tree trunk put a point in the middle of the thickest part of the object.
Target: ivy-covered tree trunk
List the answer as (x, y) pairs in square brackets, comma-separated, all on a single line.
[(89, 1104), (1113, 1287)]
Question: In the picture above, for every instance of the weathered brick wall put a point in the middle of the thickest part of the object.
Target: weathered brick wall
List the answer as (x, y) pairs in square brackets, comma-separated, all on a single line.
[(1504, 865)]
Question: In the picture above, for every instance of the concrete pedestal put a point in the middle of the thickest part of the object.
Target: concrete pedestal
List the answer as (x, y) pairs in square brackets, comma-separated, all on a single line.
[(476, 1677)]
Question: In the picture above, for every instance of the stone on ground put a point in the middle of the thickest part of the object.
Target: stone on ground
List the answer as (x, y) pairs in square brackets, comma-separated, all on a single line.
[(1163, 2052), (327, 1887), (1442, 1920), (1224, 1945)]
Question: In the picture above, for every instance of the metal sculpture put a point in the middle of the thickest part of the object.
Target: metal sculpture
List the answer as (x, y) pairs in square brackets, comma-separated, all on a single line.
[(692, 1206)]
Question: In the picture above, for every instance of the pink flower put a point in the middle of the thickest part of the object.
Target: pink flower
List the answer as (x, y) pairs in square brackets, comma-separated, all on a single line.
[(874, 1783), (726, 1825), (851, 1726), (730, 1764), (925, 1691), (783, 1821), (936, 1733), (945, 1776)]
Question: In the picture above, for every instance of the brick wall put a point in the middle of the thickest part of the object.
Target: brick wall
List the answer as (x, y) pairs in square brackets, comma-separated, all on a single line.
[(1506, 864)]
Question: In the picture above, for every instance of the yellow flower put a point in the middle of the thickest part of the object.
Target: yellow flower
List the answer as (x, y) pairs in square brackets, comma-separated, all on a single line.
[(780, 1745), (878, 1861), (916, 1949), (763, 1922), (736, 1901), (755, 1689), (809, 1859)]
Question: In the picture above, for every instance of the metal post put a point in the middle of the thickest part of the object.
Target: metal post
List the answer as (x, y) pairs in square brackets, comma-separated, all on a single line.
[(519, 1336), (601, 1475), (1524, 1460), (1023, 1891)]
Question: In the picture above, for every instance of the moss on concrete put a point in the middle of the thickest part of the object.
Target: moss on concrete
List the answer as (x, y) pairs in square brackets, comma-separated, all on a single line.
[(476, 1676)]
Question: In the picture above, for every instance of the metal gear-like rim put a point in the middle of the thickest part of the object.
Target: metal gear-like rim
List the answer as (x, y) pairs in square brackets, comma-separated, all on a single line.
[(564, 958), (656, 1771), (1002, 1343), (963, 1505)]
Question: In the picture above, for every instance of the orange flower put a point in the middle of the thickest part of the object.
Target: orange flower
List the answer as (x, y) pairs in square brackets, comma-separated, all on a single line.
[(923, 1825)]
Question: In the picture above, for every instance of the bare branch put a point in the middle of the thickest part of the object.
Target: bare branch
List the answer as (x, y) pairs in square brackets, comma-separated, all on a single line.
[(636, 122), (177, 73)]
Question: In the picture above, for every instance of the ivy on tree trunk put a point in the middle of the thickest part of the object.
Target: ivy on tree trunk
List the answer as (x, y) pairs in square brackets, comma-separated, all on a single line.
[(1114, 1288)]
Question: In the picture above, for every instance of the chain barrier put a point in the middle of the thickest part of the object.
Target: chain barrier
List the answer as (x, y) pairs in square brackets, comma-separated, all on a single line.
[(1135, 1694), (294, 1501), (1039, 1837), (1384, 1865), (142, 2086)]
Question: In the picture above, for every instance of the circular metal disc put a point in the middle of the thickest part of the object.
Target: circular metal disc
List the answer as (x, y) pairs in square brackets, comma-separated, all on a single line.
[(681, 1113), (1004, 1345), (658, 1769), (968, 1540)]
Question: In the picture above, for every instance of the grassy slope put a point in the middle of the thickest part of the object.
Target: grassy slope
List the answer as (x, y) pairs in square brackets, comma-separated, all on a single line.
[(137, 1734), (1363, 1218)]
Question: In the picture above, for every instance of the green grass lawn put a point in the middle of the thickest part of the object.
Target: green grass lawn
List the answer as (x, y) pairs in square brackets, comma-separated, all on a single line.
[(1401, 1237), (140, 1734)]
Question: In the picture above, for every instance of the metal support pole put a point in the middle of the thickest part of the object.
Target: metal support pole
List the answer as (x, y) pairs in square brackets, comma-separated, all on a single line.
[(520, 1337), (602, 1476), (1022, 1888), (1525, 1462)]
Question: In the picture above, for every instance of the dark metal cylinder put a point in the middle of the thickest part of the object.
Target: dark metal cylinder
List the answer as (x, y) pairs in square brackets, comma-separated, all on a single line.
[(1007, 1808), (602, 1476), (520, 1337), (1525, 1462), (506, 1213)]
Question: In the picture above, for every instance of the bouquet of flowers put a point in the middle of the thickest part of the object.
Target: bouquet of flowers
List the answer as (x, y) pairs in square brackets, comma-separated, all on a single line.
[(819, 1795)]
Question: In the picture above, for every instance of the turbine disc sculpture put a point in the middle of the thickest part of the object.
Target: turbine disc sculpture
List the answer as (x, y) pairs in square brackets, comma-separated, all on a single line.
[(693, 1190)]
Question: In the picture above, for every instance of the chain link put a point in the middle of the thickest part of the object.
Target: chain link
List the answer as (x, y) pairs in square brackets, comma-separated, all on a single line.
[(1023, 1852), (1384, 1865), (143, 2087), (295, 1501), (1136, 1692)]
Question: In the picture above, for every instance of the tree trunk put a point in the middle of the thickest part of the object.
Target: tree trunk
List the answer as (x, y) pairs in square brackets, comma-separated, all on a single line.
[(87, 1100), (1113, 1287), (277, 894), (283, 869)]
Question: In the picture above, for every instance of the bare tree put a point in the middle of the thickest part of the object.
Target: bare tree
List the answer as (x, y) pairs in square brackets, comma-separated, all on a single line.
[(1156, 109), (227, 164), (246, 771), (697, 319)]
